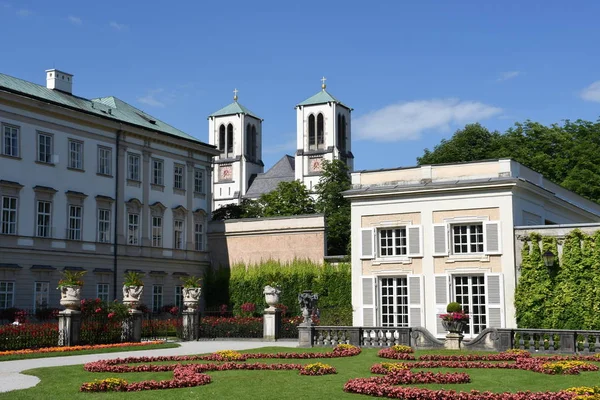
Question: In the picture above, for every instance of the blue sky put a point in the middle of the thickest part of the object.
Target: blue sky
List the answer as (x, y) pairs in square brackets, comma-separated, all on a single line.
[(414, 71)]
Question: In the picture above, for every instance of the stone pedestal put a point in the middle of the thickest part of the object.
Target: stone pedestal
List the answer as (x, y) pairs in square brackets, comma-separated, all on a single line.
[(271, 323), (191, 325), (306, 335), (69, 326), (132, 326), (453, 341)]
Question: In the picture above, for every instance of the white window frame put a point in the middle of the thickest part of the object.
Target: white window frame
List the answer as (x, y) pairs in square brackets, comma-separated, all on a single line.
[(198, 180), (75, 154), (157, 298), (199, 236), (469, 243), (394, 247), (45, 216), (10, 140), (468, 308), (179, 176), (9, 215), (405, 318), (41, 295), (103, 291), (74, 222), (179, 234), (104, 219), (133, 229), (7, 294), (45, 155), (158, 172), (157, 231), (179, 296), (104, 160), (133, 167)]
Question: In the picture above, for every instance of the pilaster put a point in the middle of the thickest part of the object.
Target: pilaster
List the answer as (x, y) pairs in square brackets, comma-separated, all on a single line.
[(146, 179)]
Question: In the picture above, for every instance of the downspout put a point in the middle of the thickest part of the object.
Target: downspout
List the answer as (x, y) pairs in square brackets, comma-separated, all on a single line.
[(117, 205)]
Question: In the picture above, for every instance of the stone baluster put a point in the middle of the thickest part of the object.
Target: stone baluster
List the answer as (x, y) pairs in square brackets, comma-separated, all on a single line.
[(531, 342), (551, 348), (586, 344)]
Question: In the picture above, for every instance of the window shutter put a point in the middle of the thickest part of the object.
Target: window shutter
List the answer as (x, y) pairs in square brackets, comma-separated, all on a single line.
[(415, 244), (367, 243), (492, 232), (495, 300), (415, 300), (440, 239), (369, 297), (442, 298)]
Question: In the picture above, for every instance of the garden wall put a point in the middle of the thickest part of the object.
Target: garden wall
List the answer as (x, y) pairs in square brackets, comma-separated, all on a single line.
[(253, 240)]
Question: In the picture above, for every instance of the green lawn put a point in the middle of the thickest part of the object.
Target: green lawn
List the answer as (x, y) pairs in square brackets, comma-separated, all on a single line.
[(83, 352), (64, 382)]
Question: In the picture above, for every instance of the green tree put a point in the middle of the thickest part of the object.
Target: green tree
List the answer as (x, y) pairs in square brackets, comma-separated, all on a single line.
[(567, 154), (335, 178), (246, 209), (289, 198)]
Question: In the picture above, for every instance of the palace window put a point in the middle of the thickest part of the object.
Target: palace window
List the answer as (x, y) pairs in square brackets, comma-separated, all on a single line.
[(44, 216), (133, 167), (103, 291), (179, 296), (10, 141), (394, 301), (157, 231), (198, 180), (178, 237), (392, 242), (7, 294), (75, 154), (104, 160), (133, 229), (103, 225), (198, 237), (178, 177), (41, 295), (467, 238), (157, 172), (75, 222), (157, 298), (469, 291), (44, 148), (8, 217)]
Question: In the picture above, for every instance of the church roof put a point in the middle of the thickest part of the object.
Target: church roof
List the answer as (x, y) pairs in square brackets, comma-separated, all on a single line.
[(321, 98), (232, 109), (282, 171), (105, 107)]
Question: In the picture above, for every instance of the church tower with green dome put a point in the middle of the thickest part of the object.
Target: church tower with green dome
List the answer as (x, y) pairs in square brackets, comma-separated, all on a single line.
[(237, 133), (323, 133)]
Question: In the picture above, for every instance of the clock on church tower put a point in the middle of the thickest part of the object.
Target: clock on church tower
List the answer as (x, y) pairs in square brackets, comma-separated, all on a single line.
[(316, 164), (225, 172)]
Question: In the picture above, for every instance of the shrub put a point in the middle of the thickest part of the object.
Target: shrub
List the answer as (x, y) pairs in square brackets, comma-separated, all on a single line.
[(454, 307)]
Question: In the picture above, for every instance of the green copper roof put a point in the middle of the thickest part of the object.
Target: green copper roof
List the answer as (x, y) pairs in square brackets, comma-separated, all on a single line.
[(233, 108), (105, 107), (321, 98)]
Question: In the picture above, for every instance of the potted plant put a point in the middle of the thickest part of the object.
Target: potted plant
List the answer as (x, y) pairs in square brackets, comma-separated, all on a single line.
[(455, 320), (192, 289), (70, 289), (133, 287), (272, 292)]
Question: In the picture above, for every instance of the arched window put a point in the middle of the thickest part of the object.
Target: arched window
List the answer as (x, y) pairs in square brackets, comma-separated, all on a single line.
[(222, 138), (312, 144), (249, 140), (254, 142), (229, 140), (320, 131)]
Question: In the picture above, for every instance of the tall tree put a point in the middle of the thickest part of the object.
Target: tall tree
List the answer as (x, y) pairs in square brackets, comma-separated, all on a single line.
[(289, 198), (335, 178), (567, 154)]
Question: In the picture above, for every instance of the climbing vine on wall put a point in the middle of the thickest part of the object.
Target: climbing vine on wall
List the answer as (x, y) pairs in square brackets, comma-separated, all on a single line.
[(566, 295)]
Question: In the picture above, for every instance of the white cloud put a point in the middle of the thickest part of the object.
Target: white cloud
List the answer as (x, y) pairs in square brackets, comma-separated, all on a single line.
[(407, 121), (508, 75), (118, 27), (4, 4), (288, 146), (23, 12), (592, 92), (75, 20), (150, 99)]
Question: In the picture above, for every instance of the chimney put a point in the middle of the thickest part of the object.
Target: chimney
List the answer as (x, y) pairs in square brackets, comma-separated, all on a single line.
[(58, 80)]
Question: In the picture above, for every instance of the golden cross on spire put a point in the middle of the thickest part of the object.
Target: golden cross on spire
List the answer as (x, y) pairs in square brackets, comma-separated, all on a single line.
[(235, 96), (323, 85)]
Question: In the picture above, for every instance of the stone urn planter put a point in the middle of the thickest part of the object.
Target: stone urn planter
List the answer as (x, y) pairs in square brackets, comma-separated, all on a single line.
[(191, 297), (272, 296), (132, 295), (70, 297), (454, 326)]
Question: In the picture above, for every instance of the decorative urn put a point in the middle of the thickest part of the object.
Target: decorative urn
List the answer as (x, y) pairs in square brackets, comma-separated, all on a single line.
[(70, 296), (191, 297), (272, 293)]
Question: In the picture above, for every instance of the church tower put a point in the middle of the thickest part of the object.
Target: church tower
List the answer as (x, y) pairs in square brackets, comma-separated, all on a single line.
[(323, 133), (237, 134)]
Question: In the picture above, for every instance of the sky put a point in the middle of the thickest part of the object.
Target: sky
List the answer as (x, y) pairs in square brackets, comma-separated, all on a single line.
[(413, 71)]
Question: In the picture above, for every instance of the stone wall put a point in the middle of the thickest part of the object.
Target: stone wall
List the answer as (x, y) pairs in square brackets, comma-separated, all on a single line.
[(253, 240)]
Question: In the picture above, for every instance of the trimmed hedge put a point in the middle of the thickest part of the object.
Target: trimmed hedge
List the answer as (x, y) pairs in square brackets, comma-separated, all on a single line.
[(246, 284)]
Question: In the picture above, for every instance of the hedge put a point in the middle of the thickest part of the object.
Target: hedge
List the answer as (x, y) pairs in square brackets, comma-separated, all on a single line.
[(246, 284)]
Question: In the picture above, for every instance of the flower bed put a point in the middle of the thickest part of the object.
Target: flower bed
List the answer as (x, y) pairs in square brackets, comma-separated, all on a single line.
[(28, 336), (397, 352), (63, 349), (317, 369)]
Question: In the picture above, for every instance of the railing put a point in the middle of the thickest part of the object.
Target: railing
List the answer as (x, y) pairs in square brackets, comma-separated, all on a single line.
[(552, 340), (359, 336), (160, 326)]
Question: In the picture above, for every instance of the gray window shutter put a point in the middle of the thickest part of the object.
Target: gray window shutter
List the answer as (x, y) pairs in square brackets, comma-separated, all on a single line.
[(440, 239), (495, 300), (442, 297), (367, 242), (415, 300), (415, 242), (492, 234), (369, 299)]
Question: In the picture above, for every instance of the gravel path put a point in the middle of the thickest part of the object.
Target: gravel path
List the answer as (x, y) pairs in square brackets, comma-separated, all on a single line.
[(12, 379)]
